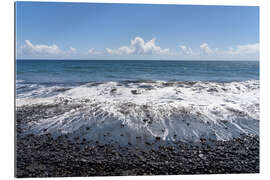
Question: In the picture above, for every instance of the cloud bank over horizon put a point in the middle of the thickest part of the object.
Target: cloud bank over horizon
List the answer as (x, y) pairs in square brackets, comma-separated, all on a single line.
[(139, 48)]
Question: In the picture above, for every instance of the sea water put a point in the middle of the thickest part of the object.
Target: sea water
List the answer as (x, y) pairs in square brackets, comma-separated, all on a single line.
[(123, 100)]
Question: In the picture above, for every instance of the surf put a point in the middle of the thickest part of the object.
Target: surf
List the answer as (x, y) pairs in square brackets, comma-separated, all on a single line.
[(145, 111)]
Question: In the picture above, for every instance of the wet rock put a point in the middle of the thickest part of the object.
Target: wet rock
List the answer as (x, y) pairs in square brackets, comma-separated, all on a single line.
[(212, 90), (147, 143), (135, 92), (113, 90)]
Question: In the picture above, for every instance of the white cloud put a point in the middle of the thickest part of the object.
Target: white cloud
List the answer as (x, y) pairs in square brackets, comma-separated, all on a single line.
[(186, 50), (206, 49), (139, 47), (239, 50), (30, 49), (92, 51), (244, 49), (73, 50)]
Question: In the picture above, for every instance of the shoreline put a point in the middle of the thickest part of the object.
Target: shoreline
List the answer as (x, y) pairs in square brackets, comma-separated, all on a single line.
[(68, 136)]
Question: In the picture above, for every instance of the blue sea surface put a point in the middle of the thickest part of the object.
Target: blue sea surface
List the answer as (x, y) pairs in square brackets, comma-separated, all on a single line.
[(142, 98), (84, 71)]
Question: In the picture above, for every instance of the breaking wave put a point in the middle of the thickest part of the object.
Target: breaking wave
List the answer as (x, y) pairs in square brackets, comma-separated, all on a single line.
[(143, 111)]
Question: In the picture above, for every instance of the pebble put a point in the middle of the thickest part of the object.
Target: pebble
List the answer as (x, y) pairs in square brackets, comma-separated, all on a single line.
[(46, 156)]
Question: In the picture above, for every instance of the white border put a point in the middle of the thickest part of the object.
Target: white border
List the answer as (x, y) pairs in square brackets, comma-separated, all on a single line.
[(7, 86)]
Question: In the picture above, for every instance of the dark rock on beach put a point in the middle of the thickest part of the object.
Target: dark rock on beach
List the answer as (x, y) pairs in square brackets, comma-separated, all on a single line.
[(45, 156), (66, 156), (135, 92)]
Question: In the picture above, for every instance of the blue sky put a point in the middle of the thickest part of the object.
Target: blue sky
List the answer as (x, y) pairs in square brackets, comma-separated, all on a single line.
[(134, 31)]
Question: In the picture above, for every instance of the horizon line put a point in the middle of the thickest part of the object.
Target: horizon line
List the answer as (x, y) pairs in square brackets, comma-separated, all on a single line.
[(24, 59)]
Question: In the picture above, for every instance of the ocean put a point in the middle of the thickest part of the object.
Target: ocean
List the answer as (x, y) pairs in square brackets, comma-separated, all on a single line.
[(82, 71), (121, 100)]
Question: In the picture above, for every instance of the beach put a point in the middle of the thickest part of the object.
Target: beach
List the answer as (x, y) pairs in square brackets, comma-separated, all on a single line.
[(46, 156), (77, 125)]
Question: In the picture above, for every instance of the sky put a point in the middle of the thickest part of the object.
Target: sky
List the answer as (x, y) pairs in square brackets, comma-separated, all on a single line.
[(136, 31)]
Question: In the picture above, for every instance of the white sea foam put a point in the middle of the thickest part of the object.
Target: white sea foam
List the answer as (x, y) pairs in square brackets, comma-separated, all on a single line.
[(19, 81), (140, 111)]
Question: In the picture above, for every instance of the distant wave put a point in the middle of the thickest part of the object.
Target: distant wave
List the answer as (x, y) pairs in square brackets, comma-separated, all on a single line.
[(137, 111), (19, 81)]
